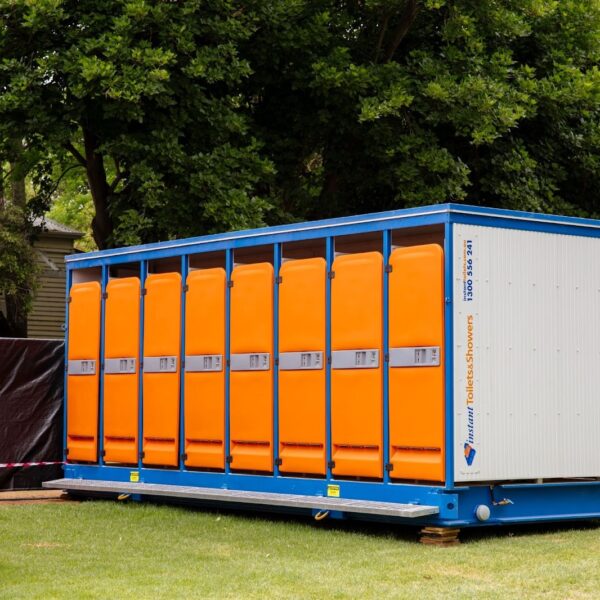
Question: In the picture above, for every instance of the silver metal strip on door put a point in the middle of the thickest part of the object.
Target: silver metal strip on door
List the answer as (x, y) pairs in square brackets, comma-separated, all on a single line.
[(415, 356), (300, 361), (259, 361), (123, 366), (355, 359), (160, 364), (81, 367), (203, 363)]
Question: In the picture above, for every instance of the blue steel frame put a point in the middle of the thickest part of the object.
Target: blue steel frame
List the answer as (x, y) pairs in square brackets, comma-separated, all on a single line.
[(509, 503), (104, 283), (185, 260)]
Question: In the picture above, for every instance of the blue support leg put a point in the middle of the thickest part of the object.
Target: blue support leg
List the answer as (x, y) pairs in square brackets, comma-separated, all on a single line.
[(448, 355), (228, 270), (143, 274), (329, 257), (65, 376), (387, 235), (103, 284), (276, 267), (184, 274)]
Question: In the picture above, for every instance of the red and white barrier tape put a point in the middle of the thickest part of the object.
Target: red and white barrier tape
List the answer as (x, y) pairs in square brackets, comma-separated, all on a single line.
[(26, 465)]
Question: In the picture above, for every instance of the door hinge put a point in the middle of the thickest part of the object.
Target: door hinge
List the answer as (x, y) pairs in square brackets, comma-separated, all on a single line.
[(389, 467), (142, 455), (278, 462), (331, 275), (389, 268), (185, 288), (331, 464), (184, 457), (279, 279), (105, 296), (144, 291), (229, 459), (230, 284)]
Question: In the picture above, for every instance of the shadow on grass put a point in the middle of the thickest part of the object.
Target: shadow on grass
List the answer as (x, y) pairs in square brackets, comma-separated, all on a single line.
[(372, 528)]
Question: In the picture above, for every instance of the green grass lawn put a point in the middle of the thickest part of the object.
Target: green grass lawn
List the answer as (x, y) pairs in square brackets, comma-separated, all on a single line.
[(104, 549)]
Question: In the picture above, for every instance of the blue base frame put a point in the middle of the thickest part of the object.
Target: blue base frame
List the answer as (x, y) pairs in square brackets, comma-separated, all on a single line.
[(512, 503)]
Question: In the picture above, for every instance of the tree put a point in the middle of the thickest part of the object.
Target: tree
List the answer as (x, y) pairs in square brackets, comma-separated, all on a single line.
[(144, 96), (18, 270), (388, 103), (194, 116)]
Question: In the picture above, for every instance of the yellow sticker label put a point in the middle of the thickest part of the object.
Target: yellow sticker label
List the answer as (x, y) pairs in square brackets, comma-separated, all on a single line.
[(333, 491), (134, 476)]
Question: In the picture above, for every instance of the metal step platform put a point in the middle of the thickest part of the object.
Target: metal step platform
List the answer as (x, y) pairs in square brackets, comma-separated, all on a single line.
[(389, 509)]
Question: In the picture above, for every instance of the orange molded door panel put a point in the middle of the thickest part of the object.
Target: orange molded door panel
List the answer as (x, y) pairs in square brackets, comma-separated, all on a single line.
[(121, 364), (205, 349), (416, 314), (162, 316), (356, 378), (83, 372), (251, 388), (302, 390)]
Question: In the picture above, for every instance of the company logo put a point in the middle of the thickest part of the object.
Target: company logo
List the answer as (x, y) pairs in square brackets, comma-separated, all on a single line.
[(470, 453)]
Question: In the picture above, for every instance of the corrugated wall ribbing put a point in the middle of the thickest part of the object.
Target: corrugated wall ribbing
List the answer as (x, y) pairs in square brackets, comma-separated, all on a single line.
[(535, 314)]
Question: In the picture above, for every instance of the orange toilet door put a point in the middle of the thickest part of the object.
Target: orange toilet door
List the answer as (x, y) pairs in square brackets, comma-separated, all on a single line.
[(416, 375), (251, 368), (121, 364), (356, 365), (162, 315), (302, 366), (83, 369), (204, 369)]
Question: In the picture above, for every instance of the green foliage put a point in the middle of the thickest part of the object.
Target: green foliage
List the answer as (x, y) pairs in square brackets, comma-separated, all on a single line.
[(73, 206), (484, 102), (147, 90), (18, 267), (192, 116)]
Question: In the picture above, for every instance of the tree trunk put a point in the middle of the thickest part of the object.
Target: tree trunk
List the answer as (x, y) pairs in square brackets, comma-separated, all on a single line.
[(16, 316), (409, 14), (102, 226)]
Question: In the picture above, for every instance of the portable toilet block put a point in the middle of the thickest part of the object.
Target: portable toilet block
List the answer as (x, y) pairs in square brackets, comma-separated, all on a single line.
[(434, 365)]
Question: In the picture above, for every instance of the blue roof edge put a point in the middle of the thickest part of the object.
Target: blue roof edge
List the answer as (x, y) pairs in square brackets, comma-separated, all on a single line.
[(446, 208)]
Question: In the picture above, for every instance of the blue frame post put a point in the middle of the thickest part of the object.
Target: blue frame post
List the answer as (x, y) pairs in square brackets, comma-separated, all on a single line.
[(276, 268), (143, 274), (228, 271), (103, 284), (329, 257), (449, 352), (184, 273), (387, 244), (69, 277)]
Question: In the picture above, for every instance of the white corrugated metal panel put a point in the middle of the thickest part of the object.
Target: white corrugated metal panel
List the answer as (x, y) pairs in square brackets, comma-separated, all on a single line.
[(527, 332)]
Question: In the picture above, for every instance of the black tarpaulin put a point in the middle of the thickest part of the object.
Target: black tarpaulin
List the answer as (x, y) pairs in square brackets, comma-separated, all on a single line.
[(31, 393)]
